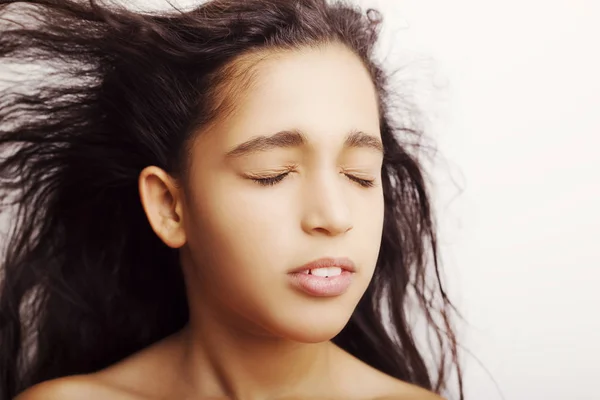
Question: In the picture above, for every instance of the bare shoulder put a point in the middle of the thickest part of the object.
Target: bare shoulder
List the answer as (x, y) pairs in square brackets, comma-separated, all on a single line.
[(394, 389), (399, 390), (125, 380), (363, 381), (72, 388)]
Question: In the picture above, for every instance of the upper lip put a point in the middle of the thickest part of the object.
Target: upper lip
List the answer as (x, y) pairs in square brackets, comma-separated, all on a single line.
[(326, 262)]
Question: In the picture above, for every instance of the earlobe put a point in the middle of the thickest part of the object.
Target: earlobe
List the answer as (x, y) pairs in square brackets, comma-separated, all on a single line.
[(161, 201)]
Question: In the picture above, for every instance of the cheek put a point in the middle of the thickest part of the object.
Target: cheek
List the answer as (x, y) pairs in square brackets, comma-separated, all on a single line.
[(236, 235), (242, 245), (366, 238), (248, 222), (368, 211)]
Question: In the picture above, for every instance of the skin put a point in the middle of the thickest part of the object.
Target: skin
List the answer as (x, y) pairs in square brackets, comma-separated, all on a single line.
[(251, 334)]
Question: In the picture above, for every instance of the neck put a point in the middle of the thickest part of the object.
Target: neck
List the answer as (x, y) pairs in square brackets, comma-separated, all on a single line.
[(221, 360)]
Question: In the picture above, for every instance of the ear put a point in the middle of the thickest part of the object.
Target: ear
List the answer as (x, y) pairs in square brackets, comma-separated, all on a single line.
[(162, 201)]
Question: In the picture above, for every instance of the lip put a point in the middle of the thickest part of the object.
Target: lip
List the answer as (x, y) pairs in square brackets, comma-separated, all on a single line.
[(323, 286), (341, 262)]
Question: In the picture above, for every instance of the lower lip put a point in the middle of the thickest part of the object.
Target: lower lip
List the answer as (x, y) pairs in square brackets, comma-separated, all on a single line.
[(321, 286)]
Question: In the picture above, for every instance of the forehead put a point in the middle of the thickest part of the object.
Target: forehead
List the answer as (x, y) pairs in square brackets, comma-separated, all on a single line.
[(324, 92)]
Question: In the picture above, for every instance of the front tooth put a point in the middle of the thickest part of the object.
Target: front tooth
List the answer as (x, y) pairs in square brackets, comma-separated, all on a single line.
[(331, 271)]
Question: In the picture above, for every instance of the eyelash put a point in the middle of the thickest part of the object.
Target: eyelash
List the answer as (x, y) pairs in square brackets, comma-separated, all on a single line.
[(271, 181)]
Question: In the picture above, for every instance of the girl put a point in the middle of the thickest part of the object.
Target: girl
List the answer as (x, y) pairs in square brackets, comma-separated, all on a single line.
[(212, 203)]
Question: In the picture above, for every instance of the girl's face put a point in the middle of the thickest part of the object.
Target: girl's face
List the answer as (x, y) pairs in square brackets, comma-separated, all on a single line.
[(291, 177)]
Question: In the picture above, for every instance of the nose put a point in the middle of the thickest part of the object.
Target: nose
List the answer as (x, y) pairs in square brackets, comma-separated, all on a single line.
[(326, 208)]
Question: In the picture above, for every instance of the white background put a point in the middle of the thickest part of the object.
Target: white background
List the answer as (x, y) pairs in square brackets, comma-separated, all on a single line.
[(511, 93), (512, 89)]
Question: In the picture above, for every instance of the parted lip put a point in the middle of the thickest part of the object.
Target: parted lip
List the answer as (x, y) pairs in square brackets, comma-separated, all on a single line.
[(325, 262)]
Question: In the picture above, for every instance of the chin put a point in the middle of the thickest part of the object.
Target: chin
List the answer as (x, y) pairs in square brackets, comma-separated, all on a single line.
[(314, 335), (313, 325)]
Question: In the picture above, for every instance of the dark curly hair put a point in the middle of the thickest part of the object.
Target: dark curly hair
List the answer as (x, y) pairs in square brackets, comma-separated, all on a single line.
[(122, 90)]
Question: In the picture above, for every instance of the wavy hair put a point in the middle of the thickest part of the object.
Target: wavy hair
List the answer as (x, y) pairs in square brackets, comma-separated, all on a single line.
[(85, 282)]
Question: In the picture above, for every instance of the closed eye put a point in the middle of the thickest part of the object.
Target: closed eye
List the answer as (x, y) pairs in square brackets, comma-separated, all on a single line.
[(273, 180), (270, 181), (362, 182)]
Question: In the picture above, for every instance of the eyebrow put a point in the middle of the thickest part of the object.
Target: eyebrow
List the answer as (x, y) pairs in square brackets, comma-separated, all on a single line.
[(296, 138)]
